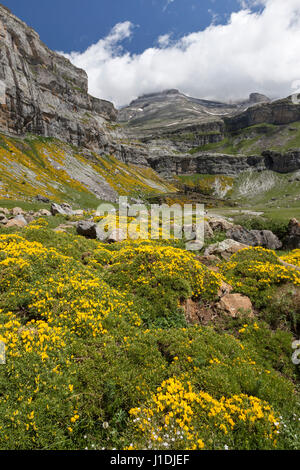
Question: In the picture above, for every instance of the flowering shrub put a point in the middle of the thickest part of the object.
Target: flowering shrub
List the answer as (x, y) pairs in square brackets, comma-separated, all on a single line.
[(81, 352), (292, 258), (179, 417), (256, 271), (163, 274)]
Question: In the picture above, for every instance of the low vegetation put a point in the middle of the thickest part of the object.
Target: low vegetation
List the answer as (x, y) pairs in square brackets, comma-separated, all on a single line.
[(99, 353)]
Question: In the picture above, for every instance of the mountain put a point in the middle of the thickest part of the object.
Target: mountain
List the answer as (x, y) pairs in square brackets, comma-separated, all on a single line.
[(185, 135), (174, 110), (60, 142), (55, 136)]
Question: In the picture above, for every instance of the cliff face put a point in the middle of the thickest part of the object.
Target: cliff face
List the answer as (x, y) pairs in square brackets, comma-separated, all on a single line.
[(278, 112), (229, 165), (41, 92)]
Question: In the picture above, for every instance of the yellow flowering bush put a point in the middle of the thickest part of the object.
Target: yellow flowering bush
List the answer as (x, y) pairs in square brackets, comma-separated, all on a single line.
[(165, 274), (292, 258), (179, 417), (82, 351), (255, 271)]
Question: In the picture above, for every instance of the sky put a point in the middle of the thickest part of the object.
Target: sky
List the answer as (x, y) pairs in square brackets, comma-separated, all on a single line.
[(213, 49)]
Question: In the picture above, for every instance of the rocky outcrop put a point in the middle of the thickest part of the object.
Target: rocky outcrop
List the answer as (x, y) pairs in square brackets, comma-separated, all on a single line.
[(282, 162), (43, 93), (256, 98), (222, 164), (278, 112), (206, 163)]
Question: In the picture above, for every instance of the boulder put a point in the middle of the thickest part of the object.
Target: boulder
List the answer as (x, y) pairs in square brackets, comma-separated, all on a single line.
[(42, 213), (219, 224), (226, 248), (43, 199), (18, 221), (189, 231), (4, 211), (224, 289), (88, 229), (264, 238), (17, 211), (116, 235), (63, 209), (292, 239), (235, 303), (78, 212), (208, 231)]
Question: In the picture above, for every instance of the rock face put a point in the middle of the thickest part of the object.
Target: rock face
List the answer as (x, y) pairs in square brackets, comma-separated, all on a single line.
[(278, 112), (282, 162), (264, 238), (206, 163), (41, 92), (221, 164)]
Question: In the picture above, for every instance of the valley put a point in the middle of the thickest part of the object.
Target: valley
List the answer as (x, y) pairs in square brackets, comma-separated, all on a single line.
[(162, 343)]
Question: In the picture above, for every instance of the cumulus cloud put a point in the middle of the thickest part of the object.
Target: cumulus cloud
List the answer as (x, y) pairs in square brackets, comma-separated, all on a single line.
[(255, 51)]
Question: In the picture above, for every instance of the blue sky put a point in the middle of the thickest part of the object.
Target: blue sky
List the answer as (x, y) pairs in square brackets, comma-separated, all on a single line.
[(70, 25), (213, 49)]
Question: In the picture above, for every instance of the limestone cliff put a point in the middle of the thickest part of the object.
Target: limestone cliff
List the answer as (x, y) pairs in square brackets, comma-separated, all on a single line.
[(41, 92)]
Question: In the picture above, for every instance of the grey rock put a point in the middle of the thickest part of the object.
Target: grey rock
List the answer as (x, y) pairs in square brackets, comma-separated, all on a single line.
[(43, 199), (63, 209), (115, 236), (3, 219), (264, 238), (89, 229), (17, 211), (219, 224), (4, 211), (226, 248), (292, 239), (42, 213), (78, 212), (278, 112)]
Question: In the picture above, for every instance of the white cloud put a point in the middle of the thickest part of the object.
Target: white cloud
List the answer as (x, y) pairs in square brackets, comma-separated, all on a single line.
[(254, 51), (164, 40)]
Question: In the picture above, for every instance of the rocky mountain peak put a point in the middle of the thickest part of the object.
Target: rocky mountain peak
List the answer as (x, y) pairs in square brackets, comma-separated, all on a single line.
[(255, 98)]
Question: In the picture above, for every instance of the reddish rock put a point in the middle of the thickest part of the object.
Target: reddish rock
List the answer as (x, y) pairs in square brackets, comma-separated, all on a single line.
[(233, 304), (18, 222)]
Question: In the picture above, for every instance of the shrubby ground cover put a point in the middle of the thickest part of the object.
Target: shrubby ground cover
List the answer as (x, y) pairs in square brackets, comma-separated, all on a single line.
[(99, 353)]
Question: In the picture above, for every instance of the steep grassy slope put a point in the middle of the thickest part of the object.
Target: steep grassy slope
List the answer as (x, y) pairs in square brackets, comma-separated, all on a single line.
[(49, 167)]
